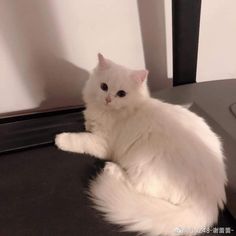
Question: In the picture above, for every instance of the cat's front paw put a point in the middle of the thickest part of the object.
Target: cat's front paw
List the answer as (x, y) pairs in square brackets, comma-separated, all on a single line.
[(63, 142)]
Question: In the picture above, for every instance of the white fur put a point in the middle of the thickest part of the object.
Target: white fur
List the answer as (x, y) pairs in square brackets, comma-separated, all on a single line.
[(167, 176)]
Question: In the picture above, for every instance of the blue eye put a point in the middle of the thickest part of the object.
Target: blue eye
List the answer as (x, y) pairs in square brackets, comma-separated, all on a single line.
[(104, 86), (121, 93)]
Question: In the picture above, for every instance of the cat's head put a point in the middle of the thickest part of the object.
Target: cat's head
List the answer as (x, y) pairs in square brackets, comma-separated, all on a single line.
[(112, 86)]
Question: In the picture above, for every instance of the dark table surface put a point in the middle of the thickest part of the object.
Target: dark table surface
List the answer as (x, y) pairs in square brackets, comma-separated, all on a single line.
[(43, 190)]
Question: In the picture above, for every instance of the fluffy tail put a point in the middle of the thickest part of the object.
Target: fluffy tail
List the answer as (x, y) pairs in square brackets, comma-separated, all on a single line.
[(148, 215)]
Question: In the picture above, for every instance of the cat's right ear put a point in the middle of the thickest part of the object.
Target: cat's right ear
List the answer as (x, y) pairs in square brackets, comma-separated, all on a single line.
[(102, 62), (139, 75)]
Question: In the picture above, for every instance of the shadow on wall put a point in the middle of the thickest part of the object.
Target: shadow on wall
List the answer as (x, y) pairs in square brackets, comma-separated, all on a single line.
[(64, 83), (153, 29), (33, 40)]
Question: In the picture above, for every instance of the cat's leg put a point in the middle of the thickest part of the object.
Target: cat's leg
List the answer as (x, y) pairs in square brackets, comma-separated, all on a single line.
[(82, 143)]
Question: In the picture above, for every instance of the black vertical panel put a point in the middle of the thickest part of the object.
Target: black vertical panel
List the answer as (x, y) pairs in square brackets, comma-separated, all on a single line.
[(186, 21)]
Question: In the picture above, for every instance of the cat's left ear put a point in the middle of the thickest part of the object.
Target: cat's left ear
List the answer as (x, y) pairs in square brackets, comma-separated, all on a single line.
[(139, 75), (102, 62)]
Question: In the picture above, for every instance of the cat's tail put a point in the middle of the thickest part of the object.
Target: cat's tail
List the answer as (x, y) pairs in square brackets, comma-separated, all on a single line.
[(148, 215)]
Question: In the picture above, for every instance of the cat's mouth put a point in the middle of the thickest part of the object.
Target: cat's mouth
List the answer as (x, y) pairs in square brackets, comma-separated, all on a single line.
[(107, 103), (107, 100)]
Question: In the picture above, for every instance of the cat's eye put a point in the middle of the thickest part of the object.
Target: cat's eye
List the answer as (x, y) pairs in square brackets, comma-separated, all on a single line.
[(104, 86), (121, 93)]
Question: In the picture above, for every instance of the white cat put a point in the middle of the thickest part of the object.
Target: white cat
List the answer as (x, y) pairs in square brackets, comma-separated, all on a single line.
[(167, 173)]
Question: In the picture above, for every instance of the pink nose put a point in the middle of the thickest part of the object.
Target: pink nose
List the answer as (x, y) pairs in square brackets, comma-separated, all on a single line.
[(108, 99)]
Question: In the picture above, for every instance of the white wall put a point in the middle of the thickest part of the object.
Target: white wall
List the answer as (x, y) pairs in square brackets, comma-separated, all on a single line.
[(217, 40), (48, 47), (111, 27), (14, 94)]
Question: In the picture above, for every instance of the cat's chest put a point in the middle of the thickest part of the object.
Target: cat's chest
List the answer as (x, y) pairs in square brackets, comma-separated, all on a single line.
[(122, 134), (99, 122), (114, 128)]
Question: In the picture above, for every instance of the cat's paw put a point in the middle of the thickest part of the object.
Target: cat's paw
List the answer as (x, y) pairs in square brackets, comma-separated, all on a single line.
[(114, 170), (62, 141)]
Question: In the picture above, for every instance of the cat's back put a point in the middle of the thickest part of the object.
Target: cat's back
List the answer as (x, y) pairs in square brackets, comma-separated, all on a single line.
[(179, 125)]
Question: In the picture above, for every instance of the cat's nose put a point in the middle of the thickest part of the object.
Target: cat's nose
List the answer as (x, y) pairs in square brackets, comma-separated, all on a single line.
[(108, 99)]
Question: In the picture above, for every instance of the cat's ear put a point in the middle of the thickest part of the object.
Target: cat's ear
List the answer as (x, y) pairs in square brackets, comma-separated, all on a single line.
[(139, 75), (102, 62)]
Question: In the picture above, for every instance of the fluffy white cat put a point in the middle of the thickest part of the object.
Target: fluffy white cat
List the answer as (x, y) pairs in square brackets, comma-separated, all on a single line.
[(167, 173)]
